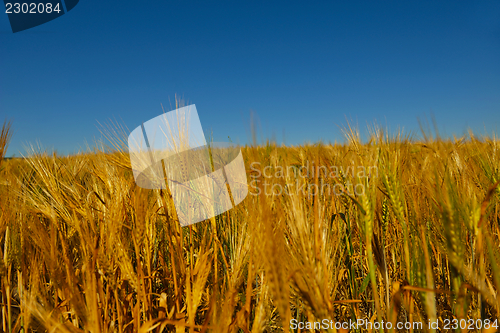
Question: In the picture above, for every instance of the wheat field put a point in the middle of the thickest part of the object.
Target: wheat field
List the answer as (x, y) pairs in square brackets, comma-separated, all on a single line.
[(394, 229)]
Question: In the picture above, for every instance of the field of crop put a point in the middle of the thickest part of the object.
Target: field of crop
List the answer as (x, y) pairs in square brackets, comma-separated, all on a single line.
[(393, 230)]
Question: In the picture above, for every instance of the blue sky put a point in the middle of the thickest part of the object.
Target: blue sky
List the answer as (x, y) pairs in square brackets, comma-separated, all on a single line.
[(302, 67)]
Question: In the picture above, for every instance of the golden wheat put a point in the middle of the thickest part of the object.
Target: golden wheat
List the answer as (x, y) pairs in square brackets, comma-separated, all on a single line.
[(83, 249)]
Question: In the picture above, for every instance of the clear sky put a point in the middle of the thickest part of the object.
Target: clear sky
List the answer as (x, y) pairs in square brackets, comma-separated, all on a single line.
[(303, 67)]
